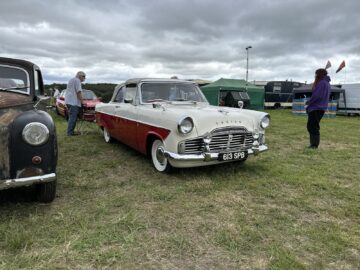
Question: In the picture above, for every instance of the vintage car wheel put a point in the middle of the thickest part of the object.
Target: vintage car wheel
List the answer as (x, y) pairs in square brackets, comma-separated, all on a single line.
[(107, 136), (46, 192), (158, 158)]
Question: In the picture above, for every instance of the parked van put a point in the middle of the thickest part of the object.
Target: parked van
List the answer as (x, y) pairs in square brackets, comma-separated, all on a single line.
[(280, 93), (352, 96)]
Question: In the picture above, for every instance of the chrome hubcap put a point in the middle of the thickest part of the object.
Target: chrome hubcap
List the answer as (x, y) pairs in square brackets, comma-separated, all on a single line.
[(160, 156)]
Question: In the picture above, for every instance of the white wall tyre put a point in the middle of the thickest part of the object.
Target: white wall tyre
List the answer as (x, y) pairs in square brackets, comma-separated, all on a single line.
[(107, 137), (158, 158)]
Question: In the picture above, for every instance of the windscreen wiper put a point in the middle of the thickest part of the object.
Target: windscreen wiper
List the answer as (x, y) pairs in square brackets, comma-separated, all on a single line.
[(13, 88)]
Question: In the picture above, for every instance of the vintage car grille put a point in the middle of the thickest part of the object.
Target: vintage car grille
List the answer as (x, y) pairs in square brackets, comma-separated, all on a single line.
[(222, 140), (89, 109)]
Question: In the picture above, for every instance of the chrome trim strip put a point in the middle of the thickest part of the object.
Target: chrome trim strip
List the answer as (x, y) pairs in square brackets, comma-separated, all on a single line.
[(27, 181), (210, 156)]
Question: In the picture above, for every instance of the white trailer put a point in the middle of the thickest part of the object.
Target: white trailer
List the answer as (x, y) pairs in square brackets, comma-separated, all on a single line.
[(352, 102)]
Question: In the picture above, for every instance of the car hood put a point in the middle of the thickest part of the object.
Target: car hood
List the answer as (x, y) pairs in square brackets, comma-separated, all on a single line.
[(90, 103), (12, 99), (207, 117)]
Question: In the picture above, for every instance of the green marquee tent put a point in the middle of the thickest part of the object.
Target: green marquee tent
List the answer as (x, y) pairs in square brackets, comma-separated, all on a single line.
[(216, 91)]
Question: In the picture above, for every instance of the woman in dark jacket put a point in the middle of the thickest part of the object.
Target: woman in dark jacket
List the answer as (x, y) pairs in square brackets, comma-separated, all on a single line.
[(316, 105)]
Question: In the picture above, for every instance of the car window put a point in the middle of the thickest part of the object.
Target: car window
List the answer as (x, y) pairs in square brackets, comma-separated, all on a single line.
[(14, 79), (130, 93), (88, 95), (38, 83), (170, 91), (120, 95)]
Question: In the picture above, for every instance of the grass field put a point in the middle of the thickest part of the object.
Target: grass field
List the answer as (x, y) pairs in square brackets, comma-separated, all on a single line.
[(289, 208)]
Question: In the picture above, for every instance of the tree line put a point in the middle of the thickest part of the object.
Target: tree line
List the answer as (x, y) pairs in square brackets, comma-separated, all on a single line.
[(103, 90)]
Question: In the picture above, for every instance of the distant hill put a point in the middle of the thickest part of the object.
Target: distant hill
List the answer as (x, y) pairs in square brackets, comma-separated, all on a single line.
[(104, 90)]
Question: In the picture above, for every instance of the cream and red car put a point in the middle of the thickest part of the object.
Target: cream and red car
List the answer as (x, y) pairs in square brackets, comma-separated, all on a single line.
[(171, 121)]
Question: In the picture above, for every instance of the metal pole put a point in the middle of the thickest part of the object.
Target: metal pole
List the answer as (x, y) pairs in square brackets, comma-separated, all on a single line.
[(247, 62)]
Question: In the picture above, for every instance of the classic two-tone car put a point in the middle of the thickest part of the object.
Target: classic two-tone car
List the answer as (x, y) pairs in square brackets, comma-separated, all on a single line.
[(28, 142), (171, 121)]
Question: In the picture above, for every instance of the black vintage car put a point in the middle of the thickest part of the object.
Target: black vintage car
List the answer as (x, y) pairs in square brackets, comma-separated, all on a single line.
[(28, 145)]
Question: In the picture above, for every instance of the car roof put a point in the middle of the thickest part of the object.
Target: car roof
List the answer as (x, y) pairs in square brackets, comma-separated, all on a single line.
[(18, 62), (138, 80), (135, 81)]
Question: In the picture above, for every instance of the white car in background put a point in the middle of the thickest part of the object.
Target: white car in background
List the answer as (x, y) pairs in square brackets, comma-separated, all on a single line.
[(171, 121)]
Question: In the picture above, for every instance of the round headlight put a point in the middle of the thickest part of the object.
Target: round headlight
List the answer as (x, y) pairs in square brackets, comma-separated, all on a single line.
[(185, 125), (265, 121), (35, 133)]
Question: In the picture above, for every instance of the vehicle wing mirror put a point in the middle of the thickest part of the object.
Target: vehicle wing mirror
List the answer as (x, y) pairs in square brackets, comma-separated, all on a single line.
[(41, 99)]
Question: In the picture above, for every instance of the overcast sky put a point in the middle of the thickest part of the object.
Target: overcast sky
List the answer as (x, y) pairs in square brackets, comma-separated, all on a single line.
[(193, 39)]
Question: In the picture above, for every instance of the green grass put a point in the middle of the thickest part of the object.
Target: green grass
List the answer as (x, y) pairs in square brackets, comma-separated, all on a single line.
[(289, 208)]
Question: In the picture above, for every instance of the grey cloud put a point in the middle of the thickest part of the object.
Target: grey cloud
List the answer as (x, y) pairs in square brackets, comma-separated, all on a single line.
[(113, 40)]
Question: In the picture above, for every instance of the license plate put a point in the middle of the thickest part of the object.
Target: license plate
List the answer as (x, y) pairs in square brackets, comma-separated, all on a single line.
[(232, 156)]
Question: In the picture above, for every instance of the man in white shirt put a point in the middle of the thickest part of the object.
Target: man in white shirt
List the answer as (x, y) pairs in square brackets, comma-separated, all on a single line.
[(73, 100)]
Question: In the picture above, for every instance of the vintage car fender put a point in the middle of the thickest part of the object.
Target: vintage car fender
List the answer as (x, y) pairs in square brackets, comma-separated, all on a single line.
[(21, 164)]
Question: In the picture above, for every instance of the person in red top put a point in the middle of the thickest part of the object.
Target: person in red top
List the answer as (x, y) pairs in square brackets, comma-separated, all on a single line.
[(316, 105)]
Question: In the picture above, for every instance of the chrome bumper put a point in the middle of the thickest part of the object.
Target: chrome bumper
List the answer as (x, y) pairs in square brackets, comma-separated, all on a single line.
[(27, 181), (211, 156)]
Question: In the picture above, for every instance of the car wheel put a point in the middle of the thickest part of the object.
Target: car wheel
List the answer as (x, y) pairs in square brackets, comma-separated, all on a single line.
[(46, 192), (161, 163), (107, 136)]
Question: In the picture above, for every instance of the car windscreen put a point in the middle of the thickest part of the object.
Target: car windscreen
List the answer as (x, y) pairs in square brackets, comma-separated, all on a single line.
[(14, 79), (151, 92), (88, 95)]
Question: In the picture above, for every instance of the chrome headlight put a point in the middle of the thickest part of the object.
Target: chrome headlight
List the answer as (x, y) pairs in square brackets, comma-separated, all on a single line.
[(35, 133), (185, 125), (265, 121)]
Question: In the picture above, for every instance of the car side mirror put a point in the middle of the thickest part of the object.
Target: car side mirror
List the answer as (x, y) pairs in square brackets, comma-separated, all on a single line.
[(241, 104), (41, 99), (128, 100)]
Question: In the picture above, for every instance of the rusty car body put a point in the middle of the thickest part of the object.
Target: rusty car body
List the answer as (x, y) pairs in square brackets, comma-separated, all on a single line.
[(28, 144)]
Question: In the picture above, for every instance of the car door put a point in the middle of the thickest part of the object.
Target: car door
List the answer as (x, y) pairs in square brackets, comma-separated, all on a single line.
[(114, 120), (126, 113)]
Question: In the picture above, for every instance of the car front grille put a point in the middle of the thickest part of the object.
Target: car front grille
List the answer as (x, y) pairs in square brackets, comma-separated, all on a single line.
[(89, 109), (222, 140)]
